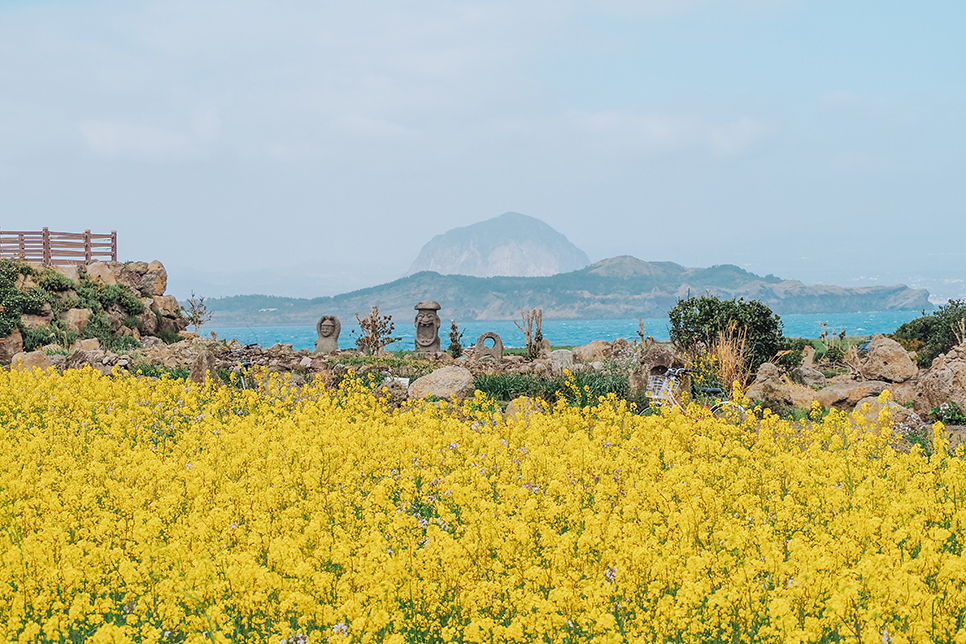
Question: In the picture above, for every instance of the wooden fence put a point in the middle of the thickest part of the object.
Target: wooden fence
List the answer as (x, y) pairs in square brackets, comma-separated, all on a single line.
[(50, 248)]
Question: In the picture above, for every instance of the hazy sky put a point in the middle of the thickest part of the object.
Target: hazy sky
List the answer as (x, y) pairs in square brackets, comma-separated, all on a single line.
[(308, 148)]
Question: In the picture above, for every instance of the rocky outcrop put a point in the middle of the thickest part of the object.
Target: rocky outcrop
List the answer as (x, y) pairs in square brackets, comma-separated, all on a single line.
[(10, 346), (888, 361), (203, 368), (944, 381), (845, 395), (31, 360), (561, 360), (769, 389), (127, 300), (147, 279), (808, 376), (444, 383), (592, 352)]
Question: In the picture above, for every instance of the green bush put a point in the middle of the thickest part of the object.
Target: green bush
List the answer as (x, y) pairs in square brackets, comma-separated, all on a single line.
[(52, 334), (131, 304), (88, 295), (701, 319), (587, 387), (792, 352), (111, 295), (948, 413), (156, 371), (54, 281), (937, 331), (122, 343), (132, 322), (169, 337)]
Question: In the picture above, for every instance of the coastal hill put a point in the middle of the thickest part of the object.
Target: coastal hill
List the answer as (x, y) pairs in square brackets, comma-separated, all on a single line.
[(619, 287), (509, 245)]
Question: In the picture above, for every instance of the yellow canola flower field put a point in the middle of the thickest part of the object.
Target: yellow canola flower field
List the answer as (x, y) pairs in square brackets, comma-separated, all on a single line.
[(135, 510)]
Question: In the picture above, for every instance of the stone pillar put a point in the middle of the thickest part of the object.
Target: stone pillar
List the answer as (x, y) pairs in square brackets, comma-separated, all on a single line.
[(328, 328), (427, 327)]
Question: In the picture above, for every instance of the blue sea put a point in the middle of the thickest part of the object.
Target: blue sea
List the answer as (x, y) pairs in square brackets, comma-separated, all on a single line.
[(563, 332)]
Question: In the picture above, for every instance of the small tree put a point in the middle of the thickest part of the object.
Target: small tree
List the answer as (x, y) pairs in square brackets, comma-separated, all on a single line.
[(376, 332), (455, 340), (198, 313), (704, 320)]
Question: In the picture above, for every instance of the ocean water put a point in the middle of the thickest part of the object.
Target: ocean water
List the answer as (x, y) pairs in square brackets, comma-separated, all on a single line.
[(563, 332)]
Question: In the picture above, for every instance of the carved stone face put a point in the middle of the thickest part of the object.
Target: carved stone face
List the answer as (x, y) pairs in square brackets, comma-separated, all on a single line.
[(427, 326), (326, 329)]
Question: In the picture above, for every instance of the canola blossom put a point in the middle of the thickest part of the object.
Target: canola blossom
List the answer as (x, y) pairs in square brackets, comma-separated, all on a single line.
[(134, 510)]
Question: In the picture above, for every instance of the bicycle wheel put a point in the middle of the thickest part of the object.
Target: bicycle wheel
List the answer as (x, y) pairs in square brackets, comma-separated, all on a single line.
[(729, 412)]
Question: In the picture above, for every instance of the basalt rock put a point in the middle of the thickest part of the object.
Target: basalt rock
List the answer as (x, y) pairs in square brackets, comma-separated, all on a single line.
[(592, 351), (808, 376), (204, 367), (845, 395), (769, 389), (888, 361), (444, 383), (31, 360), (944, 381)]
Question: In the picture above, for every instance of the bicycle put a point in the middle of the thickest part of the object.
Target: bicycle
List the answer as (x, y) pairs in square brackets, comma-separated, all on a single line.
[(669, 383)]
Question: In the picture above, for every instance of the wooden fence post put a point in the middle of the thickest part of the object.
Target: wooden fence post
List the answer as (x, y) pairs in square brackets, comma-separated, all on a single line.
[(113, 245), (87, 245), (46, 246)]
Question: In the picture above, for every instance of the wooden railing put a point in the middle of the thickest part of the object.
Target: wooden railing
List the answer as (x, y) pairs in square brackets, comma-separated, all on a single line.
[(50, 248)]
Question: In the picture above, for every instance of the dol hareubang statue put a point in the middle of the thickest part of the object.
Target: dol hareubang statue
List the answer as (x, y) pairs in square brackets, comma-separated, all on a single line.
[(427, 327), (328, 328)]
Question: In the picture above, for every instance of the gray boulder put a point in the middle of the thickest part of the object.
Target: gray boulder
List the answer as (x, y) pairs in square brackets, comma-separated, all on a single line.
[(944, 381), (888, 361), (29, 361), (446, 382), (845, 395), (809, 376), (561, 359), (769, 389)]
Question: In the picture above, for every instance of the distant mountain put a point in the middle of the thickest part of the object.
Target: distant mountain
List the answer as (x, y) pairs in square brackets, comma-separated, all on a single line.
[(509, 245), (619, 287)]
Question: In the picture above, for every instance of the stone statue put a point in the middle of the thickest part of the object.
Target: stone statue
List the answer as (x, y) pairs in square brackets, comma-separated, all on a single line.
[(329, 328), (492, 353), (427, 327)]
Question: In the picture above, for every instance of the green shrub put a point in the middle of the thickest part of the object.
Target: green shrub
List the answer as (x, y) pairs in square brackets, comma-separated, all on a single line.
[(792, 352), (507, 386), (701, 320), (55, 333), (948, 413), (937, 331), (122, 343), (131, 304), (54, 281), (152, 370), (98, 326), (169, 337), (88, 295), (132, 322), (111, 295), (587, 386)]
